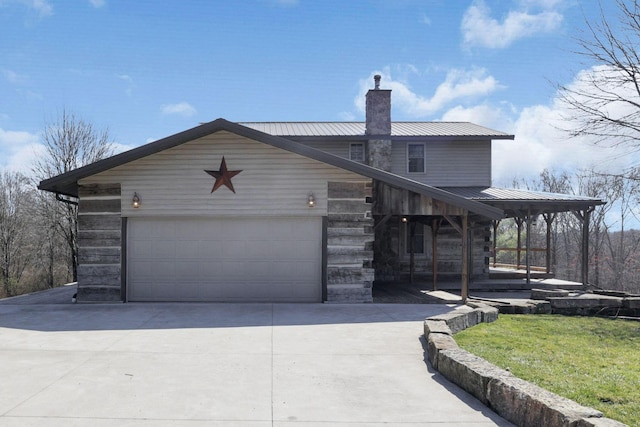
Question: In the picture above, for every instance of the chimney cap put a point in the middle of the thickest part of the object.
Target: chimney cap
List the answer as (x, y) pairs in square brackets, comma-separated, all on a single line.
[(376, 80)]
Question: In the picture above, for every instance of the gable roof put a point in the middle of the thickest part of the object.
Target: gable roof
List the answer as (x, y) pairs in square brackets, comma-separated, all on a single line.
[(67, 183), (399, 130)]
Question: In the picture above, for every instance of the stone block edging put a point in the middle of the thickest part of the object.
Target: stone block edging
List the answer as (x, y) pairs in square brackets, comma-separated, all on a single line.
[(518, 401)]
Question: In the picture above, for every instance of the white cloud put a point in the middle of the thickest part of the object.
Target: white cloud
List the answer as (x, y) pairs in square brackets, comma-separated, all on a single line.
[(458, 85), (12, 76), (121, 148), (41, 7), (130, 84), (347, 116), (182, 108), (539, 143), (480, 29), (18, 150), (484, 114), (607, 90), (97, 3)]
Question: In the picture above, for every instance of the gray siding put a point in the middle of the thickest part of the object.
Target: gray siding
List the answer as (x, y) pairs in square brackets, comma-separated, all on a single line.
[(448, 163), (336, 148), (272, 182)]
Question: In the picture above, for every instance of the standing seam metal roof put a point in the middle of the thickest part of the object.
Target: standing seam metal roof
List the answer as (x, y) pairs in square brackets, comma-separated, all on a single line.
[(354, 129), (487, 194), (515, 202)]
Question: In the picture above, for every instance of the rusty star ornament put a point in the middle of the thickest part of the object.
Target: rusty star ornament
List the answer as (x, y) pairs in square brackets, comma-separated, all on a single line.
[(223, 176)]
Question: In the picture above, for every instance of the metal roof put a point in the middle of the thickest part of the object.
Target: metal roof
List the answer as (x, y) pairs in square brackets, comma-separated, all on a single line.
[(516, 201), (67, 183), (357, 129)]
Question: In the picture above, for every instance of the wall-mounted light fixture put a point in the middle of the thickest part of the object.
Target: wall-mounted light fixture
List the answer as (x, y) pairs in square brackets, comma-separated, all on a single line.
[(135, 202), (311, 201), (404, 219)]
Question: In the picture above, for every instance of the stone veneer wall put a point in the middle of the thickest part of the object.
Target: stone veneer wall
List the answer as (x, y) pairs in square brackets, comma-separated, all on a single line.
[(99, 243), (349, 243)]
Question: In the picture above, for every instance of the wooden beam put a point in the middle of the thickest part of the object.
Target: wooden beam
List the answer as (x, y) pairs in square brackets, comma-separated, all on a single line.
[(382, 221), (412, 262), (495, 225), (585, 245), (435, 226), (465, 258), (519, 241), (453, 223), (548, 218), (528, 253)]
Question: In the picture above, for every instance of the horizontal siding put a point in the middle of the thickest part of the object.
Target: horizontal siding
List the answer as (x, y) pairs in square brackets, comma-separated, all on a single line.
[(272, 182), (340, 149), (449, 164)]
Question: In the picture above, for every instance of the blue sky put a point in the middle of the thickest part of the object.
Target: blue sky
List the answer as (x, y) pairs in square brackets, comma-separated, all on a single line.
[(147, 69)]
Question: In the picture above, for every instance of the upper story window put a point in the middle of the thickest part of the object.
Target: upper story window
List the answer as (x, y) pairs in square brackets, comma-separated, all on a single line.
[(415, 158), (356, 152)]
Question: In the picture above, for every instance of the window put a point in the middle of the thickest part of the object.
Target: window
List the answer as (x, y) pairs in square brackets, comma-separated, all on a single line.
[(356, 152), (418, 237), (415, 158)]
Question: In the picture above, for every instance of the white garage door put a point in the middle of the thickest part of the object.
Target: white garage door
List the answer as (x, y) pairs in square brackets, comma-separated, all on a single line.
[(227, 259)]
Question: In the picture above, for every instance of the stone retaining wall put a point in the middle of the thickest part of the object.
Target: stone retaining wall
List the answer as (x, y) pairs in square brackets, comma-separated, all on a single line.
[(514, 399)]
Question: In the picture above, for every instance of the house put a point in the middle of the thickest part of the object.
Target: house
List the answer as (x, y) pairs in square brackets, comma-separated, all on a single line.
[(292, 212)]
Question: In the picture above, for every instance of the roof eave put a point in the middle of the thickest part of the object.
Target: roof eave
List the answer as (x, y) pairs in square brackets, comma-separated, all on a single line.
[(67, 183)]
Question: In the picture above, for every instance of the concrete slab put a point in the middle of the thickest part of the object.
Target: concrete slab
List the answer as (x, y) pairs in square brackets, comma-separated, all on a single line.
[(224, 364), (60, 295), (444, 297)]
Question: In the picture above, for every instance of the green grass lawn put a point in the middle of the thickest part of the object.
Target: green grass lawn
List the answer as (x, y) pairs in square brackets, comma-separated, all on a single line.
[(593, 361)]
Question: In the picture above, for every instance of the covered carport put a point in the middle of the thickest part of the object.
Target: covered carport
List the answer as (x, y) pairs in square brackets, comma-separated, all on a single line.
[(524, 207)]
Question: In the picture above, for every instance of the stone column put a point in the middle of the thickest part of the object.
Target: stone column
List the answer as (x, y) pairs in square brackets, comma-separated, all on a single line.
[(99, 244), (378, 129), (378, 125), (349, 243)]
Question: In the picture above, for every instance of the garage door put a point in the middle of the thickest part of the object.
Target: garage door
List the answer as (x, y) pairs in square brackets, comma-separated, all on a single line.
[(227, 259)]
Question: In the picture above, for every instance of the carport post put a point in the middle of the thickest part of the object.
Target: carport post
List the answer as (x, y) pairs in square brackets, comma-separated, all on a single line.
[(435, 226), (465, 258)]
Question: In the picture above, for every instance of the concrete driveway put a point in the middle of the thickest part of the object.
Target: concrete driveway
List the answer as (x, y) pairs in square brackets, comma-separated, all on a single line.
[(224, 365)]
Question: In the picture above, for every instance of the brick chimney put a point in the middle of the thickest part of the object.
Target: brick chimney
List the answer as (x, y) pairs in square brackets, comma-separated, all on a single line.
[(378, 125)]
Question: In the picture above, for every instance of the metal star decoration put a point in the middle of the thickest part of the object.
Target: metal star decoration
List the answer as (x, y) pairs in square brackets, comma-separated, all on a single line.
[(223, 177)]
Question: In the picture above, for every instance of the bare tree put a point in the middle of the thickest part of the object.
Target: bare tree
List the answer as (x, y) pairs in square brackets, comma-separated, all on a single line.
[(620, 243), (604, 102), (15, 242), (70, 143)]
